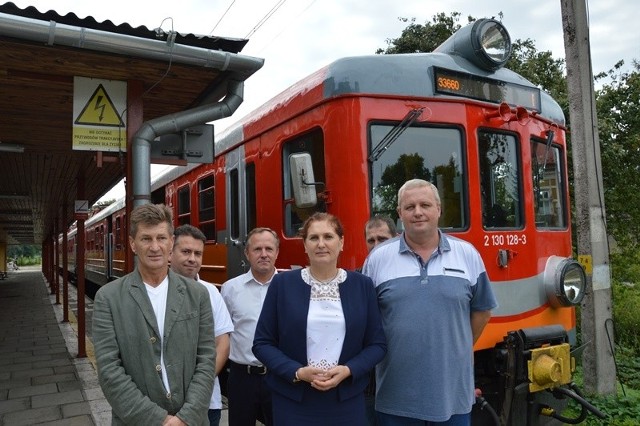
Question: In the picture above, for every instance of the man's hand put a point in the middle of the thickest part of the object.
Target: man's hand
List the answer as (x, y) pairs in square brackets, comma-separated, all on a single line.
[(173, 421)]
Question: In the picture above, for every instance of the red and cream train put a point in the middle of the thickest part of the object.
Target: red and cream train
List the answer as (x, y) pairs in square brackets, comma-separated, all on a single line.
[(345, 138)]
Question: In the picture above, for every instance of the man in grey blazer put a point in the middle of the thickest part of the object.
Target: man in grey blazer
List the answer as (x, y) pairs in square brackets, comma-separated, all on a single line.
[(152, 334)]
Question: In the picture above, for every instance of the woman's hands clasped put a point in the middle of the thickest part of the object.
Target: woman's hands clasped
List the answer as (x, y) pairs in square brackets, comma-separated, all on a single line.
[(323, 380)]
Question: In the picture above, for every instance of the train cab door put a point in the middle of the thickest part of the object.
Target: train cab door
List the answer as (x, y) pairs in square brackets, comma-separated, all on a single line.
[(236, 209)]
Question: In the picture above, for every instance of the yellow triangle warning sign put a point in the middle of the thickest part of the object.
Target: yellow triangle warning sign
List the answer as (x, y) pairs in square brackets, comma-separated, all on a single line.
[(99, 111)]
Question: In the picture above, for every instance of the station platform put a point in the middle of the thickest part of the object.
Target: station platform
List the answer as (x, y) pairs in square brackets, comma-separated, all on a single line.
[(42, 380)]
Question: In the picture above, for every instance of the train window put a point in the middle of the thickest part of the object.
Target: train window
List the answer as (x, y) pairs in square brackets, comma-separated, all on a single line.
[(500, 182), (159, 196), (250, 183), (206, 207), (184, 206), (89, 242), (429, 153), (118, 233), (546, 161), (313, 143), (234, 196)]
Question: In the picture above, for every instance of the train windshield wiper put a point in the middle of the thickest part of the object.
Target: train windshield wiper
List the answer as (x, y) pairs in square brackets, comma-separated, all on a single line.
[(395, 133)]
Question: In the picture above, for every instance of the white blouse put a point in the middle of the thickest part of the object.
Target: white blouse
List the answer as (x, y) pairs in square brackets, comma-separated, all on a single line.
[(325, 321)]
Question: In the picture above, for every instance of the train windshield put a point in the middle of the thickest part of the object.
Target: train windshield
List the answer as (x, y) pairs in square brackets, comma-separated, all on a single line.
[(430, 153), (500, 181), (547, 175)]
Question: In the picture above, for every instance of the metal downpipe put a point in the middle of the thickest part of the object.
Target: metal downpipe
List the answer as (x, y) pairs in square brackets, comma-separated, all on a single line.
[(150, 130)]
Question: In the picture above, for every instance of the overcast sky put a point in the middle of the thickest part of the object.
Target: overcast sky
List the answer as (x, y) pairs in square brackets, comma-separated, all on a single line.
[(296, 37)]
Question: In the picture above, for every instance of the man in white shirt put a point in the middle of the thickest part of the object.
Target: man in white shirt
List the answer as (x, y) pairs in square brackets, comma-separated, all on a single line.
[(186, 260), (248, 394)]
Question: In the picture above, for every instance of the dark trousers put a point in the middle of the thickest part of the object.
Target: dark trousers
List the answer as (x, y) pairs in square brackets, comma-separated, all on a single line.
[(214, 416), (248, 397)]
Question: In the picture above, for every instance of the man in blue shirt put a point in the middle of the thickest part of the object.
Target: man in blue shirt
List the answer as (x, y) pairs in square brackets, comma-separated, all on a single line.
[(435, 299)]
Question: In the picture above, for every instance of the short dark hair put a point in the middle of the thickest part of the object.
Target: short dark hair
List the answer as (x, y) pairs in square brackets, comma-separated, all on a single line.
[(379, 220), (189, 231), (150, 214), (319, 217)]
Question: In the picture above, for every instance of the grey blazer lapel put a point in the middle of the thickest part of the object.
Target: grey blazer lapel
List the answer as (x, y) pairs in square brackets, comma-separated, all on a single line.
[(175, 300), (139, 294)]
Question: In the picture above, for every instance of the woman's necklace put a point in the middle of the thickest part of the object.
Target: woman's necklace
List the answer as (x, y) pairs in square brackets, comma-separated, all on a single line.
[(324, 281)]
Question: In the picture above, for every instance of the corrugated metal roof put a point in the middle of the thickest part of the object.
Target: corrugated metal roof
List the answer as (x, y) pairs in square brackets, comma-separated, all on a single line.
[(233, 45)]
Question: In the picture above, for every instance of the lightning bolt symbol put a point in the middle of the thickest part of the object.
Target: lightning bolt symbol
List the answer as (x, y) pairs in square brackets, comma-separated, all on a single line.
[(99, 105)]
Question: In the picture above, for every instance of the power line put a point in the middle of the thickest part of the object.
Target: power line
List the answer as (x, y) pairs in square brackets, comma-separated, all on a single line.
[(287, 26), (273, 10), (220, 20)]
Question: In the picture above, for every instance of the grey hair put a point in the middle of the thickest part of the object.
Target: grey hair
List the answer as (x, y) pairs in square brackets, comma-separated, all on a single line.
[(418, 183)]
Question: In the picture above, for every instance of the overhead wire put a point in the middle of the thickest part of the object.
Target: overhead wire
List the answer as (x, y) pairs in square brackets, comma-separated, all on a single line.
[(265, 18), (171, 37), (285, 28), (221, 18)]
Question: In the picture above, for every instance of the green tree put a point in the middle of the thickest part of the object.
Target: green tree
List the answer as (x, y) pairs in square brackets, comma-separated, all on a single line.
[(26, 254), (424, 38), (408, 166), (542, 69), (618, 104)]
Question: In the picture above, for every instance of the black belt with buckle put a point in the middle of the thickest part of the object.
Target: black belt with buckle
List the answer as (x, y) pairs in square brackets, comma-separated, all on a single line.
[(259, 370)]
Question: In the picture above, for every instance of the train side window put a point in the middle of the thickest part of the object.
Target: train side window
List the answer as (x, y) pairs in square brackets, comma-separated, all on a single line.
[(312, 143), (89, 242), (118, 234), (546, 168), (500, 181), (206, 207), (250, 184), (234, 197), (433, 154), (184, 206)]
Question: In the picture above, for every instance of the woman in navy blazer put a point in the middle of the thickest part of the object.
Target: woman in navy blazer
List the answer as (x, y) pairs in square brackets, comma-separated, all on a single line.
[(319, 335)]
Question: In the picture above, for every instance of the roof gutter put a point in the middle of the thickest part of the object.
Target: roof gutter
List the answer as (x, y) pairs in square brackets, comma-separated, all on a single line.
[(53, 33)]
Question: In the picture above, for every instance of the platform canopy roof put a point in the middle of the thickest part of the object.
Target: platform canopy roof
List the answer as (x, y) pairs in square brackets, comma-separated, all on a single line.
[(40, 55)]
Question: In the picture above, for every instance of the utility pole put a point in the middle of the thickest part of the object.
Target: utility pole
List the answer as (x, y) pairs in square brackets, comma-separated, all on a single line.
[(596, 324)]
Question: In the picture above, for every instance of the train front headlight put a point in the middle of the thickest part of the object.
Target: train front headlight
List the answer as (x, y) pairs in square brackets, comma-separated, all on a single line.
[(565, 282), (493, 41), (485, 42)]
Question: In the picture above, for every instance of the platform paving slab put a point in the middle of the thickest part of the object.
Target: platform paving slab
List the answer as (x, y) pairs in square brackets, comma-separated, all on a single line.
[(41, 378)]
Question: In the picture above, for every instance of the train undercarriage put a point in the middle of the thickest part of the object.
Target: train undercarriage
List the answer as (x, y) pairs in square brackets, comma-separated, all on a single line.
[(526, 380)]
